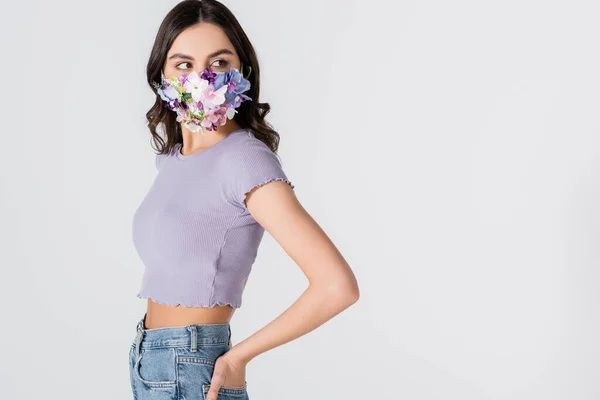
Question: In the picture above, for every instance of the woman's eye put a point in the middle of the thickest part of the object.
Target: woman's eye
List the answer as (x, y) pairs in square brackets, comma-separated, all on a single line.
[(177, 66), (222, 64)]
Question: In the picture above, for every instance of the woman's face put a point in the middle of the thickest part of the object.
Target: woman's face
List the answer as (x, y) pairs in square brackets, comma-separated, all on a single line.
[(199, 47)]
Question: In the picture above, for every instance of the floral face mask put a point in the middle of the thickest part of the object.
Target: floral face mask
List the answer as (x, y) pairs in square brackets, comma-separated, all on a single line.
[(204, 101)]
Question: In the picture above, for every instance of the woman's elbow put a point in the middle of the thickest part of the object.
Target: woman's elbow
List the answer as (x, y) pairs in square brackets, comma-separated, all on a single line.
[(346, 293)]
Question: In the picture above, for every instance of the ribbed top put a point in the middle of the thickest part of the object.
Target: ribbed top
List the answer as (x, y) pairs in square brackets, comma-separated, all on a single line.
[(192, 230)]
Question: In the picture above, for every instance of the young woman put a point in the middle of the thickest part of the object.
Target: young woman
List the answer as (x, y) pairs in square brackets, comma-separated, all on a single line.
[(199, 227)]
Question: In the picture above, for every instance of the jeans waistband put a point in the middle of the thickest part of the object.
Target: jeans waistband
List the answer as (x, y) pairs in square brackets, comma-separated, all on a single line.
[(190, 336)]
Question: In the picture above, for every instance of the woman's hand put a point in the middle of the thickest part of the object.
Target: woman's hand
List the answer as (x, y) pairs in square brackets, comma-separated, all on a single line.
[(228, 372)]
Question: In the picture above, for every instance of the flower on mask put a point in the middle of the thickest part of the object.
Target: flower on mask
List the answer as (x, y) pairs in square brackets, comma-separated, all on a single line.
[(234, 81), (212, 98), (204, 101), (208, 75), (169, 93), (214, 118)]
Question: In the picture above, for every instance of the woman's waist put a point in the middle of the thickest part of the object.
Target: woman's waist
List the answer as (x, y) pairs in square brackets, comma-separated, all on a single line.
[(184, 336), (162, 315)]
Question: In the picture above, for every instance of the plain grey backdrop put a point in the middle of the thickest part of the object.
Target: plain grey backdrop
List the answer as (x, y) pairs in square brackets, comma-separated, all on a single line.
[(449, 149)]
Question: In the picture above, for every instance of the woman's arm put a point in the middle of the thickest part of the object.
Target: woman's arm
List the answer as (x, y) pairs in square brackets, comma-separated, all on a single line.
[(332, 285)]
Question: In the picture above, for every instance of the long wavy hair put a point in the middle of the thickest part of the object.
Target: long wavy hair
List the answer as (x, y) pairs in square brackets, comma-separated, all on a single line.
[(251, 114)]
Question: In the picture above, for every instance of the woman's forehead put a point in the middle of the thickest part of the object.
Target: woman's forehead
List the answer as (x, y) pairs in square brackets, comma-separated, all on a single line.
[(200, 41)]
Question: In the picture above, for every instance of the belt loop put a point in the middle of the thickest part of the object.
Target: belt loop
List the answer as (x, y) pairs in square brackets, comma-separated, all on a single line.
[(139, 336), (140, 330), (229, 328), (194, 337)]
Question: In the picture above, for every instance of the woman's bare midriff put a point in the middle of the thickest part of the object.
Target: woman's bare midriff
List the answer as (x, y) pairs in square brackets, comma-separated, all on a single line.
[(161, 315)]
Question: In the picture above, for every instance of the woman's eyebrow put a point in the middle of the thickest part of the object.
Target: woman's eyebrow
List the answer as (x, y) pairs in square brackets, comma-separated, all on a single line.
[(219, 52), (211, 55), (182, 56)]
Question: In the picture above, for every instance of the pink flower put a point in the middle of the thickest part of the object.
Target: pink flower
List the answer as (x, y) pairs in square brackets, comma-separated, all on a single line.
[(216, 117), (210, 97)]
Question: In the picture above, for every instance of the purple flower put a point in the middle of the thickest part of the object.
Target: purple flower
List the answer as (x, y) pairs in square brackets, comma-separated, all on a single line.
[(208, 75), (234, 80), (237, 99)]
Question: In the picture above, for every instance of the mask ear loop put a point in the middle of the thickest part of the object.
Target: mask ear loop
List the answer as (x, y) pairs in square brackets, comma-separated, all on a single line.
[(242, 71)]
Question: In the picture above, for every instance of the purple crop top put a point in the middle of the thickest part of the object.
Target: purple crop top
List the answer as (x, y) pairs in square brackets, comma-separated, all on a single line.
[(194, 235)]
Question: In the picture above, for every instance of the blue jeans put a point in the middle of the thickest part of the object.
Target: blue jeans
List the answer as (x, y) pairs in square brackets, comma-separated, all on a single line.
[(174, 363)]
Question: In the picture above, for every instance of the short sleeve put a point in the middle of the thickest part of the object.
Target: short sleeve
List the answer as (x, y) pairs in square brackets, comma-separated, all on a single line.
[(251, 165)]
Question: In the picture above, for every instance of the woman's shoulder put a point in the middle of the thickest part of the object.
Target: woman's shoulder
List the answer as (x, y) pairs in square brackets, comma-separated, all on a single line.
[(246, 149), (161, 158), (158, 159), (246, 138), (249, 163)]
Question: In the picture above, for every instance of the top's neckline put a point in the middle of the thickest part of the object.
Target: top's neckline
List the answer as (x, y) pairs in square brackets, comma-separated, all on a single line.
[(209, 149)]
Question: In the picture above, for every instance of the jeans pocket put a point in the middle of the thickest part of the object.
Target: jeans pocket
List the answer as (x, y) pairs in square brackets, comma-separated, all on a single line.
[(227, 393), (156, 368)]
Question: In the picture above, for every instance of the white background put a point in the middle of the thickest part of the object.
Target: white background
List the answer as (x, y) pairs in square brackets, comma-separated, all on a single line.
[(449, 149)]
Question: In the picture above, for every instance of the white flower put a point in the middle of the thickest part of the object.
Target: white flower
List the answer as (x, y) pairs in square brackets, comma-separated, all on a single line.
[(195, 86), (230, 112)]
